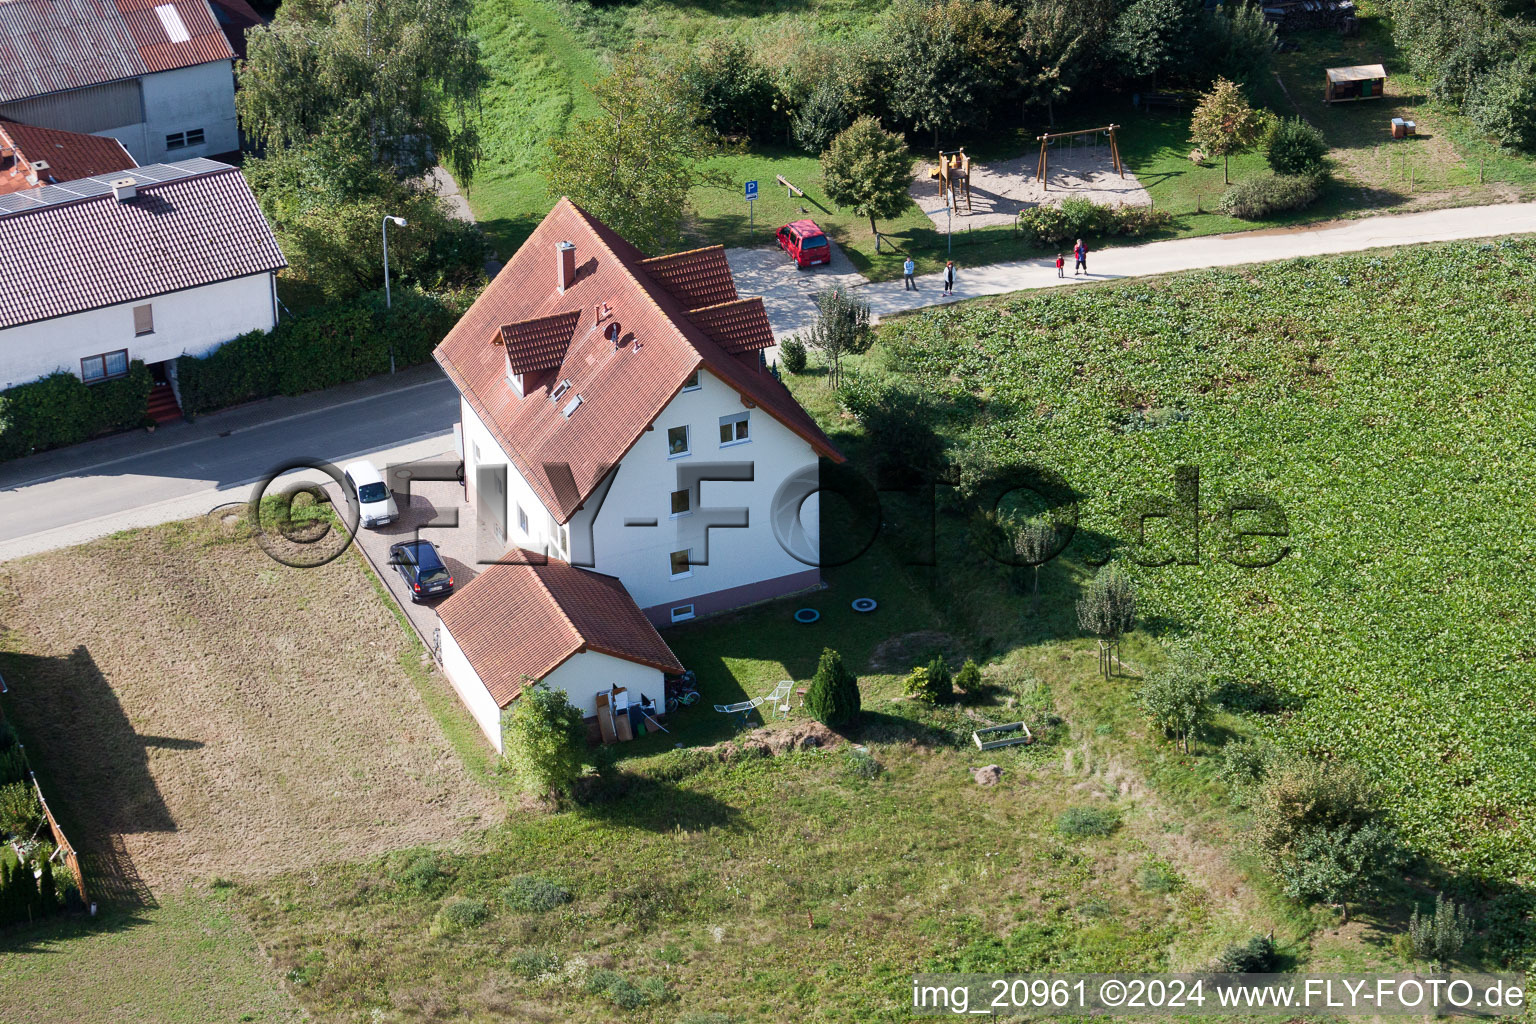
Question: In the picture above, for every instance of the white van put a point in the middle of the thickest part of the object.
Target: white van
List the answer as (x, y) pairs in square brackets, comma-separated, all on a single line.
[(376, 505)]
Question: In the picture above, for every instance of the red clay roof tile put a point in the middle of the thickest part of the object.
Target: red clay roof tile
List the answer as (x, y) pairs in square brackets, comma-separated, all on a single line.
[(541, 343), (69, 155), (698, 277), (738, 327), (624, 387), (525, 618)]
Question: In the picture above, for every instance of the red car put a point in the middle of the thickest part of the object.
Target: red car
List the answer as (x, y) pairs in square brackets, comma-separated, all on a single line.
[(806, 243)]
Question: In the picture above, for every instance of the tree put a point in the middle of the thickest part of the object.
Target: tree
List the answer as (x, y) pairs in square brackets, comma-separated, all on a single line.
[(1178, 697), (392, 80), (734, 92), (1224, 124), (1151, 36), (833, 698), (968, 679), (1056, 42), (1035, 542), (1237, 42), (841, 328), (633, 165), (950, 62), (48, 890), (820, 118), (1503, 103), (545, 741), (1108, 610), (1318, 827), (1295, 147), (1439, 937), (869, 169)]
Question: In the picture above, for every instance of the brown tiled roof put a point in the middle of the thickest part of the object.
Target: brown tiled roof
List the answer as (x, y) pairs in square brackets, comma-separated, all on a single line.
[(239, 13), (698, 277), (525, 618), (738, 327), (623, 388), (66, 255), (69, 155), (539, 344), (51, 46)]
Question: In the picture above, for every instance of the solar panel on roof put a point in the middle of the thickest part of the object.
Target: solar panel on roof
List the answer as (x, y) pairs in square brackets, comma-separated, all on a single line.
[(101, 184)]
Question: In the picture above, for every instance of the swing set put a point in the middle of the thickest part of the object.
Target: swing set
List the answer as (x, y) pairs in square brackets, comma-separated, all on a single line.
[(1045, 143)]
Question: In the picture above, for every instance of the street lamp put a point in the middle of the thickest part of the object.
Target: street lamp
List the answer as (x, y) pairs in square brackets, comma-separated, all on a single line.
[(398, 222)]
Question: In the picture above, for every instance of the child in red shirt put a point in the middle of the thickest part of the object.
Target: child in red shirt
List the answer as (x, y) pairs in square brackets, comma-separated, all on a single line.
[(1060, 266)]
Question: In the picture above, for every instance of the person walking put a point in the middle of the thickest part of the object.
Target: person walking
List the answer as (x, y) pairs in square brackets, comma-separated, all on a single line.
[(1061, 266), (1080, 253), (908, 268), (949, 277)]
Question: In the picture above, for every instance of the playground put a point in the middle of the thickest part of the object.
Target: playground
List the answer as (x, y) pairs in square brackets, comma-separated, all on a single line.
[(955, 190)]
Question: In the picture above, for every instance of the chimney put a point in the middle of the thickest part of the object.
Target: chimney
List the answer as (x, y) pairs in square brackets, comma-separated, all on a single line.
[(565, 266), (124, 189)]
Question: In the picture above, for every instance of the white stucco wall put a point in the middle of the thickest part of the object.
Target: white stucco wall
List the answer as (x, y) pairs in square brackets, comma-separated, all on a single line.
[(541, 534), (202, 96), (642, 489), (190, 322), (470, 689), (584, 675)]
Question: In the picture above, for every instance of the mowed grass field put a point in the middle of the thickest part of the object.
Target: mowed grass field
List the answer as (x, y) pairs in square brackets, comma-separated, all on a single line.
[(198, 712)]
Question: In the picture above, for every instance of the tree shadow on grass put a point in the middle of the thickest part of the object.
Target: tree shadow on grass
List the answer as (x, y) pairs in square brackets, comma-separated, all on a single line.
[(640, 801), (42, 937)]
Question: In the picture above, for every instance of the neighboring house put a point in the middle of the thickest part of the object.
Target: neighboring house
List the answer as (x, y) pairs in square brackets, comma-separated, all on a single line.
[(30, 156), (157, 75), (617, 416), (150, 263), (546, 620)]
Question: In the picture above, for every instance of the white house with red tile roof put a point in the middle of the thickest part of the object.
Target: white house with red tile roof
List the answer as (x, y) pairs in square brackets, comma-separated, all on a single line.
[(147, 264), (617, 417), (157, 75)]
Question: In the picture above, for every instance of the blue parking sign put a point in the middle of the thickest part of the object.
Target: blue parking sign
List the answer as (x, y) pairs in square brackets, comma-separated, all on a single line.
[(751, 191)]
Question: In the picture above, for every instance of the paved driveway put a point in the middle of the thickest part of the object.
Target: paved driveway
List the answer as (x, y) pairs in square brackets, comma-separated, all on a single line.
[(428, 510), (789, 294)]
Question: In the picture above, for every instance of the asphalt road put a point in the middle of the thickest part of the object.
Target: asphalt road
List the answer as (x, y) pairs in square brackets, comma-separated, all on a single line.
[(90, 490)]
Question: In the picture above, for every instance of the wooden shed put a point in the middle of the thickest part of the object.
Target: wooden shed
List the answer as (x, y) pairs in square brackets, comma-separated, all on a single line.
[(1361, 82)]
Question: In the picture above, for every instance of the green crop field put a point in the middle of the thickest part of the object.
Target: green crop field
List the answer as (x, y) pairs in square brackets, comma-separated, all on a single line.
[(1386, 401)]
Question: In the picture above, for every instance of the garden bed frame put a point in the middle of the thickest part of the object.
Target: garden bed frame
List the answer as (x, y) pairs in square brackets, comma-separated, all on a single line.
[(996, 736)]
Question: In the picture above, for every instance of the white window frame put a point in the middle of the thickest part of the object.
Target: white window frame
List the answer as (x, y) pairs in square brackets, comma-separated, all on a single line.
[(743, 418), (176, 140), (682, 613), (693, 383), (687, 553), (522, 519), (687, 442), (685, 512)]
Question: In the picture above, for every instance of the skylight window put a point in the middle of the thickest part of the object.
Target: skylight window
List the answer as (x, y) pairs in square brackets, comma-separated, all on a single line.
[(170, 19), (571, 407)]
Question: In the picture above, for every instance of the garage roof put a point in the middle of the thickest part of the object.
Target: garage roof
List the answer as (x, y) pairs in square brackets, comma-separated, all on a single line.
[(522, 619)]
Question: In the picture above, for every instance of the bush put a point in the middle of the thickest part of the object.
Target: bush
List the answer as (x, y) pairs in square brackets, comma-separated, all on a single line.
[(533, 894), (821, 118), (861, 764), (833, 698), (793, 351), (735, 92), (968, 679), (13, 765), (1086, 822), (1440, 936), (625, 994), (533, 963), (421, 872), (1256, 956), (20, 813), (545, 741), (61, 409), (458, 914), (331, 345), (1269, 194), (1245, 763), (1503, 103), (1295, 147), (1058, 224), (922, 686)]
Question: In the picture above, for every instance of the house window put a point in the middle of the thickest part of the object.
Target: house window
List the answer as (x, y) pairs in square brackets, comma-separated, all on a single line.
[(104, 367), (682, 503), (682, 613), (522, 521), (143, 320), (680, 566), (692, 383), (733, 429), (181, 140), (677, 442), (474, 446)]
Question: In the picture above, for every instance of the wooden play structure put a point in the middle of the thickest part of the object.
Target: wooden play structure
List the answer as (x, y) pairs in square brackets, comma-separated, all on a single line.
[(1042, 171), (954, 174), (1361, 82)]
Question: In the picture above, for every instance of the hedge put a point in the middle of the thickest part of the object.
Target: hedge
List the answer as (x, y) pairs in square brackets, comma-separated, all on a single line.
[(1268, 194), (320, 349), (1053, 224), (61, 409)]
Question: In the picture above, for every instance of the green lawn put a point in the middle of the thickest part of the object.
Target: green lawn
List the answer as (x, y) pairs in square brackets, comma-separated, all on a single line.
[(186, 961)]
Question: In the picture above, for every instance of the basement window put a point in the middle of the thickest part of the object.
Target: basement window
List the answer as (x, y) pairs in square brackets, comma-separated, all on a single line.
[(682, 613)]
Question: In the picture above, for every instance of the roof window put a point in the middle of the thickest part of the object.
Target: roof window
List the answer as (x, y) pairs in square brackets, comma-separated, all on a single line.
[(571, 407)]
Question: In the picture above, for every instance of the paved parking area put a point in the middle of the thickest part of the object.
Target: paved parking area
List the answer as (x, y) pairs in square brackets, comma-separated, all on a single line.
[(788, 292), (433, 510)]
